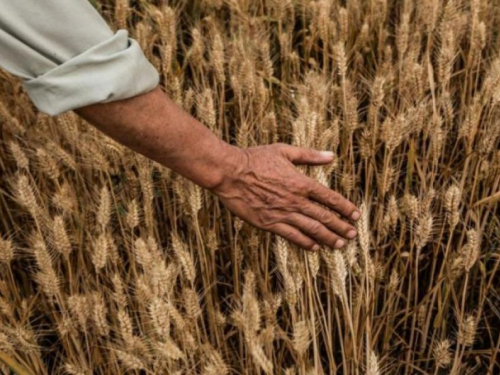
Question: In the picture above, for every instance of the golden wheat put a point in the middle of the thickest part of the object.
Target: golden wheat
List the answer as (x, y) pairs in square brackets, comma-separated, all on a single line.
[(112, 264)]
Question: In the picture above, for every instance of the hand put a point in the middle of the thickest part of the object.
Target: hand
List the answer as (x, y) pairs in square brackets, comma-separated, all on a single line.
[(266, 190)]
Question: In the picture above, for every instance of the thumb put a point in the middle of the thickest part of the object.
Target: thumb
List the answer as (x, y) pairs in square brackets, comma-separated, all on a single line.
[(300, 155)]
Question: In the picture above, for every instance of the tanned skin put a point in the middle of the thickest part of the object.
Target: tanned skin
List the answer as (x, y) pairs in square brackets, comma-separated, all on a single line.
[(258, 184)]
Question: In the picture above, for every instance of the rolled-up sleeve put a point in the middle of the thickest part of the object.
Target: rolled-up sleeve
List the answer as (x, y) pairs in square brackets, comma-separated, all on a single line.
[(68, 57)]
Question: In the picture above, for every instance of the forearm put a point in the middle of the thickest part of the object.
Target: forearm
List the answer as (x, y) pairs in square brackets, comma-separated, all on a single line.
[(153, 125)]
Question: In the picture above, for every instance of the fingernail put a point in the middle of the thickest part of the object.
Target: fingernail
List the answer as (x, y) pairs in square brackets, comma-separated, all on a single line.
[(355, 215), (339, 244), (315, 247), (327, 154), (351, 233)]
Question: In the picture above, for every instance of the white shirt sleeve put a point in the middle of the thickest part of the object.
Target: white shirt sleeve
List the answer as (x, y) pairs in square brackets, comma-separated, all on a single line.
[(67, 55)]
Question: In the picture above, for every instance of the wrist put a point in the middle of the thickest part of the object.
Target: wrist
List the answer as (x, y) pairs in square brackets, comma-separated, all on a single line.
[(230, 166)]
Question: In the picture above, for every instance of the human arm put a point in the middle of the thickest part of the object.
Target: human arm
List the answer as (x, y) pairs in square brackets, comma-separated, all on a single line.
[(258, 184)]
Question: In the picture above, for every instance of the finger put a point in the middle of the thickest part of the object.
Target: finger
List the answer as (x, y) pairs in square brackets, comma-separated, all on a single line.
[(295, 236), (315, 230), (300, 155), (334, 200), (328, 219)]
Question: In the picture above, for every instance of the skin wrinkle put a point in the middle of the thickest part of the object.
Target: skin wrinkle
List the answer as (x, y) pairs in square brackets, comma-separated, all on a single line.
[(269, 201), (273, 203)]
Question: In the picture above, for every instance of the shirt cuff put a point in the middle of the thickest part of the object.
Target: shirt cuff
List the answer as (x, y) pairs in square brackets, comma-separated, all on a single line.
[(112, 70)]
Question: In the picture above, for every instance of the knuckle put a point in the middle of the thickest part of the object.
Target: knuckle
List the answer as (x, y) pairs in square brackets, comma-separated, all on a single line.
[(308, 185), (314, 228), (309, 153), (267, 218), (335, 199), (287, 198), (278, 147), (324, 216), (302, 186), (292, 218), (291, 236), (294, 204)]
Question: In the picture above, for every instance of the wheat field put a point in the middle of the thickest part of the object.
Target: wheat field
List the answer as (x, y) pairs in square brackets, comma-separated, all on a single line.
[(112, 264)]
